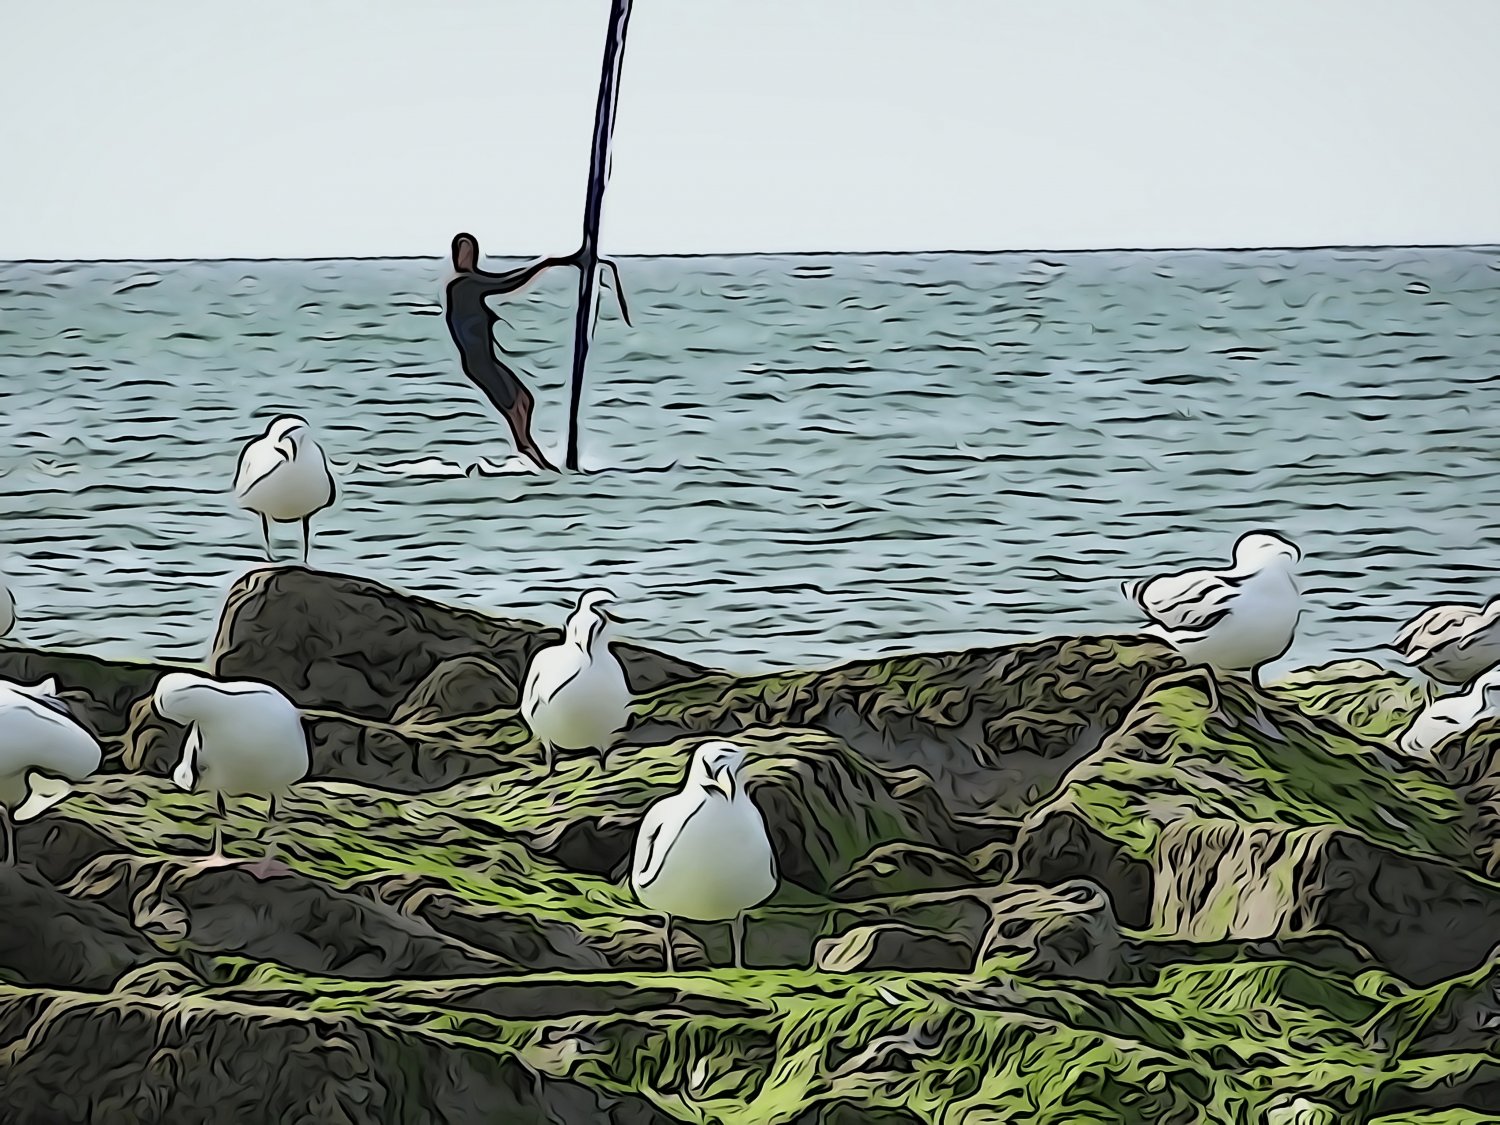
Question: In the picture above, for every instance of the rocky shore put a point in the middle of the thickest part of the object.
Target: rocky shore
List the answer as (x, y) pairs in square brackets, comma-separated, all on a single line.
[(1058, 881)]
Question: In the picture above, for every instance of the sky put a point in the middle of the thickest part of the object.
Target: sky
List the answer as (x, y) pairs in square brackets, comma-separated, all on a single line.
[(298, 128)]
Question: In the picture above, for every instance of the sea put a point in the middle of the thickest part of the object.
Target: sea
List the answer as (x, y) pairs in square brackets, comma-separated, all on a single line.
[(788, 460)]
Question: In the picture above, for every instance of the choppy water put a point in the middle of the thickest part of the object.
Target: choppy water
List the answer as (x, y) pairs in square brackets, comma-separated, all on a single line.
[(808, 458)]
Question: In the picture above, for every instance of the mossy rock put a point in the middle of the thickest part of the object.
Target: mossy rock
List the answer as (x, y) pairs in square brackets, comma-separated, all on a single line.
[(459, 686), (1259, 821), (352, 645), (1064, 931), (893, 945), (995, 729)]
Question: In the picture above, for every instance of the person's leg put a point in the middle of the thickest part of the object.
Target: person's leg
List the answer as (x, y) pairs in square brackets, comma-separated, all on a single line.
[(510, 397)]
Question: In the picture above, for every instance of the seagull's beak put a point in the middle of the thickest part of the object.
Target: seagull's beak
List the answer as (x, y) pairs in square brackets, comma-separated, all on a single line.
[(611, 616)]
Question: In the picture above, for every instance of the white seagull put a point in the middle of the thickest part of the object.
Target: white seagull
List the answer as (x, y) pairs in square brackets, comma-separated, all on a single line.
[(37, 735), (1452, 715), (1233, 620), (576, 697), (244, 739), (704, 853), (1451, 643), (284, 476)]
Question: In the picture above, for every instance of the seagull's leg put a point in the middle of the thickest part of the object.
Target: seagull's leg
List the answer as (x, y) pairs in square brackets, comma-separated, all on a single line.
[(549, 756), (10, 836), (265, 533), (737, 939), (268, 865), (666, 939), (222, 813), (306, 537)]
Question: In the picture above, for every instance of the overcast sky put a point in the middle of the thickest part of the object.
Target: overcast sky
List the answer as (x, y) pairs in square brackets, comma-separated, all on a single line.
[(288, 128)]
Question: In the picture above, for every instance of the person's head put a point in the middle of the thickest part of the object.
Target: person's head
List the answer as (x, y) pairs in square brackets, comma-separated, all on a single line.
[(465, 251)]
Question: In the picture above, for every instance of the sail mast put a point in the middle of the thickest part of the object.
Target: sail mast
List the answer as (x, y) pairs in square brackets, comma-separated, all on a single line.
[(588, 253)]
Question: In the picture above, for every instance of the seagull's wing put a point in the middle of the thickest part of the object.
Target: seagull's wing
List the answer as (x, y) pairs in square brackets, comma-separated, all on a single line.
[(1432, 627), (1479, 626), (658, 832), (552, 669), (258, 460), (1190, 602)]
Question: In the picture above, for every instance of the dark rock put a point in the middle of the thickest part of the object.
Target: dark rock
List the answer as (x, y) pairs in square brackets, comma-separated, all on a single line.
[(1063, 931), (461, 686), (893, 945), (52, 940)]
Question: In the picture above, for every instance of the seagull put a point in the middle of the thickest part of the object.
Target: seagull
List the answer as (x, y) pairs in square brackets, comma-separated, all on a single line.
[(244, 738), (704, 853), (1234, 620), (1443, 718), (575, 697), (1451, 643), (37, 735), (284, 476)]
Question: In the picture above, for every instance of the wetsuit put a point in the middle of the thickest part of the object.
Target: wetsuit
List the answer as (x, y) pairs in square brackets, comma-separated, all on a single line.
[(471, 323)]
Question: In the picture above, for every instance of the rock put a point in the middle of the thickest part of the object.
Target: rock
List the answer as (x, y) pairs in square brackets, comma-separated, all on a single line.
[(1065, 931), (538, 944), (993, 729), (1372, 701), (892, 945), (340, 643), (1060, 844), (55, 941), (163, 1060), (461, 686), (287, 919), (903, 868)]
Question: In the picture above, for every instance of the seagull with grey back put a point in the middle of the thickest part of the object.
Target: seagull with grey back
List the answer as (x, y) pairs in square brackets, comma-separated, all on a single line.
[(575, 696), (704, 853), (283, 477), (1451, 644), (37, 736), (244, 739), (1233, 620)]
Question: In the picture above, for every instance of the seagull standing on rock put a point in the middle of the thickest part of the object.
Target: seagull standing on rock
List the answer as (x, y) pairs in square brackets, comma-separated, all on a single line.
[(576, 697), (37, 735), (1452, 644), (1233, 620), (244, 739), (704, 853), (1452, 715), (283, 476)]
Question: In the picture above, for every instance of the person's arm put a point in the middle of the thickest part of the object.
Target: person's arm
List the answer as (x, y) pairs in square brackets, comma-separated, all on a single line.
[(516, 280)]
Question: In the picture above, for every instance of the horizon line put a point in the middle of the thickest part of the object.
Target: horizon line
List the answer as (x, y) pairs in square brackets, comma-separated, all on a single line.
[(1244, 249)]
